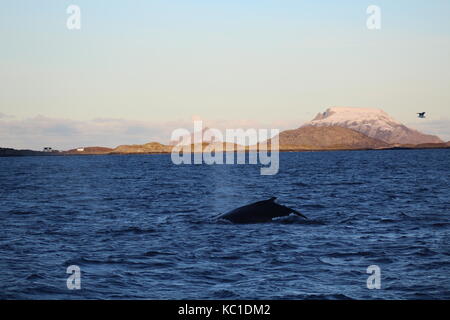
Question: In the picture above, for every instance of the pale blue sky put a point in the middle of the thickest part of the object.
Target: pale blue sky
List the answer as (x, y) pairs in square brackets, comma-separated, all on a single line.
[(145, 66)]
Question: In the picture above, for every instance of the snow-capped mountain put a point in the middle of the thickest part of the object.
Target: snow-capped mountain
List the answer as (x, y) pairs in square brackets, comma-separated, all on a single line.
[(374, 123)]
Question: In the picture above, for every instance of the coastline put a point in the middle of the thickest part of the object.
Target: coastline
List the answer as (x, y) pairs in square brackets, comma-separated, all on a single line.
[(10, 152)]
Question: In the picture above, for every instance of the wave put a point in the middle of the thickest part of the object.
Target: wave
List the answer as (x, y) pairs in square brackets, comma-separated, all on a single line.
[(297, 220), (338, 296), (20, 212), (158, 253), (131, 229), (342, 183)]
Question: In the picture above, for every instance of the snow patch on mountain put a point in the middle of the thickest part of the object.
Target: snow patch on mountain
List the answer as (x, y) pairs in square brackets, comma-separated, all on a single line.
[(372, 122)]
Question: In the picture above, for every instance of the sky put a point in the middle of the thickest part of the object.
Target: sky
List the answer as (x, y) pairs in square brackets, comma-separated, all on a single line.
[(136, 70)]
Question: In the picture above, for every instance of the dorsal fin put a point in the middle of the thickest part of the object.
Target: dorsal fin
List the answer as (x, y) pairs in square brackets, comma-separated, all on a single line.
[(272, 199)]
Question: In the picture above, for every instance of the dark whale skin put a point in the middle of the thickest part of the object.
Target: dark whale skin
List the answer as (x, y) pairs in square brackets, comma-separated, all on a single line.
[(258, 212)]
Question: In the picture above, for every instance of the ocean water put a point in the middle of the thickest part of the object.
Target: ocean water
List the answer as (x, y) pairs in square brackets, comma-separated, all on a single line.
[(140, 227)]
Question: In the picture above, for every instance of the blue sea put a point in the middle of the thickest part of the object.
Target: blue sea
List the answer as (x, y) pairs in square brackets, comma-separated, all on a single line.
[(140, 227)]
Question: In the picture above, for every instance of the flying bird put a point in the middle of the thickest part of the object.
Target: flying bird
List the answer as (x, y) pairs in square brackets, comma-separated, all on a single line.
[(421, 115)]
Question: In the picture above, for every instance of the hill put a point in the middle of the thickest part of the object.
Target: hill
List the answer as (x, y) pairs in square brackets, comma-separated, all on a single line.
[(374, 123)]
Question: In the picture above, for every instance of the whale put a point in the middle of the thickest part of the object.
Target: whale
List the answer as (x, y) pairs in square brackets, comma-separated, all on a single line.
[(258, 212)]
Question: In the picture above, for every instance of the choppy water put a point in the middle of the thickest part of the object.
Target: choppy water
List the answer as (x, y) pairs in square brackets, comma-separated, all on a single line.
[(140, 227)]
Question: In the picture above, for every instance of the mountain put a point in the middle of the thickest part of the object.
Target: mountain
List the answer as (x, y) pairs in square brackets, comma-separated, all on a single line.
[(338, 128), (327, 138), (151, 147), (374, 123)]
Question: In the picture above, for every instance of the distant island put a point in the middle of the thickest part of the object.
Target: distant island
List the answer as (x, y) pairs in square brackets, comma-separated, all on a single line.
[(338, 128)]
